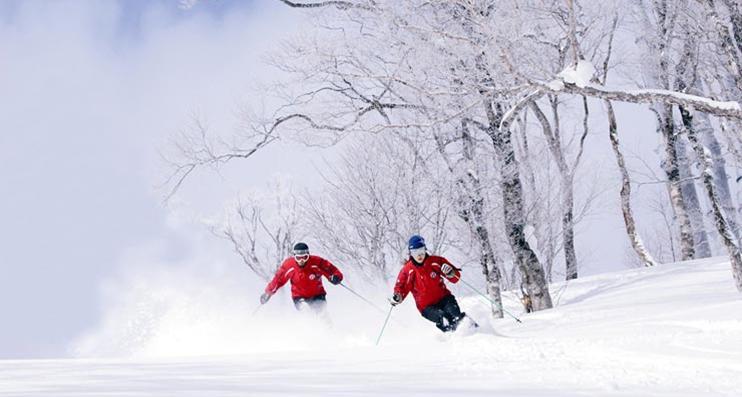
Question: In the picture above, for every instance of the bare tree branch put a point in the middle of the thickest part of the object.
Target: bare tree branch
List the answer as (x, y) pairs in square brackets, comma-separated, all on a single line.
[(339, 4)]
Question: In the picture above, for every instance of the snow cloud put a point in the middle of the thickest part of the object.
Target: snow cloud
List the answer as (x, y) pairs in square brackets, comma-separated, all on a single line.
[(91, 90)]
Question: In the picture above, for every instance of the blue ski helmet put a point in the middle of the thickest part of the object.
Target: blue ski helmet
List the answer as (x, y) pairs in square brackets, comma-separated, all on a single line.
[(416, 242)]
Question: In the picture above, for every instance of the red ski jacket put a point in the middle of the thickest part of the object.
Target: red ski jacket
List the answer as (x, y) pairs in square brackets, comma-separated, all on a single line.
[(306, 281), (425, 281)]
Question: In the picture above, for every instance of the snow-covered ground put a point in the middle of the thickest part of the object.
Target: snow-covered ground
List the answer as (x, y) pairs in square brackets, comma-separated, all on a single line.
[(674, 330)]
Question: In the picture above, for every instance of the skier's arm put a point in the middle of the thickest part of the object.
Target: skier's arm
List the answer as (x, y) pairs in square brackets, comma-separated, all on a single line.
[(331, 272), (402, 287), (279, 279), (449, 271)]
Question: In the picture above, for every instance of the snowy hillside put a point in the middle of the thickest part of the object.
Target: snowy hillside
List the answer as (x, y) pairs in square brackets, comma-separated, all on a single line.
[(674, 330)]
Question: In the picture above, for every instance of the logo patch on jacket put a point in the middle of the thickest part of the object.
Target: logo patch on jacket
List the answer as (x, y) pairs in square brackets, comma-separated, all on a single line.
[(312, 276), (433, 274)]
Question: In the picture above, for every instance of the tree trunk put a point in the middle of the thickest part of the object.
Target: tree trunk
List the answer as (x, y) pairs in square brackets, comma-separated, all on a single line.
[(474, 217), (735, 257), (488, 260), (539, 214), (727, 43), (628, 216), (690, 196), (735, 16), (568, 227), (471, 210), (532, 272), (705, 131), (686, 72), (672, 170)]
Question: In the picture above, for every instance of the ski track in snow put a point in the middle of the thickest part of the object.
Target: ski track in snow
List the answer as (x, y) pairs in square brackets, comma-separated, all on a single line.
[(674, 330)]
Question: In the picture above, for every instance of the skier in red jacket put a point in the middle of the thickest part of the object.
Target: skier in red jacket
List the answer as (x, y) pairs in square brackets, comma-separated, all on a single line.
[(305, 273), (423, 275)]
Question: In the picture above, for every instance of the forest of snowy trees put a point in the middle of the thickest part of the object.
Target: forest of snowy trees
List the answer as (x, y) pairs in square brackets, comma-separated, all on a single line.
[(466, 121)]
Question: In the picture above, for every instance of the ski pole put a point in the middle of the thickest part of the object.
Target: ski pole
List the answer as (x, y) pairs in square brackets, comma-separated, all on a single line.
[(384, 326), (490, 300), (380, 310), (254, 312), (363, 299)]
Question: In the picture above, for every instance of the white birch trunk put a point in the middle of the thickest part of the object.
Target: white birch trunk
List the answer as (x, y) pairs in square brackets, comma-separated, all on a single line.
[(672, 172), (628, 216), (690, 197), (735, 257), (726, 42), (686, 74), (735, 14), (532, 272), (473, 214), (568, 234), (707, 135)]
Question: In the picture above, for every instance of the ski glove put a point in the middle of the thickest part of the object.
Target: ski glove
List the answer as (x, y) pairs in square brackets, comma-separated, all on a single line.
[(447, 269), (335, 279), (396, 299), (264, 298)]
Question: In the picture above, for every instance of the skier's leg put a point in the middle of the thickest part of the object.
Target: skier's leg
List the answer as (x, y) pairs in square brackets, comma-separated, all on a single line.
[(318, 303), (300, 303), (438, 316), (452, 311)]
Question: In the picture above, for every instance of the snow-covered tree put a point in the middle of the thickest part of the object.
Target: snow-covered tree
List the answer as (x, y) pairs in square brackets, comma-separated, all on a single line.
[(415, 68), (381, 191), (262, 228)]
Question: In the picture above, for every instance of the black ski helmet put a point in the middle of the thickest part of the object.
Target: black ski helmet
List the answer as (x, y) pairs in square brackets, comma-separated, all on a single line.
[(301, 249)]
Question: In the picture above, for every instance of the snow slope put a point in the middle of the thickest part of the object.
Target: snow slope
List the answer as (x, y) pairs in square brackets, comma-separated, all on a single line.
[(674, 330)]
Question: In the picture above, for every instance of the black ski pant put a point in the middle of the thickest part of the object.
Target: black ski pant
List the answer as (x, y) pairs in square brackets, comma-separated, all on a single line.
[(316, 303), (445, 313)]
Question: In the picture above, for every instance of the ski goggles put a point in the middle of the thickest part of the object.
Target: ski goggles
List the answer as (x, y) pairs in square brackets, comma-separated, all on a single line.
[(301, 256), (417, 251)]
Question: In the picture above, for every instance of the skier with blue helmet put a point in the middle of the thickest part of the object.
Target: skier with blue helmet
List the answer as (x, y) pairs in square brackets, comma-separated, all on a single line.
[(423, 275)]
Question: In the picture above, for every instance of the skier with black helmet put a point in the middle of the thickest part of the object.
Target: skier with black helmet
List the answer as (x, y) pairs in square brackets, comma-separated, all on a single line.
[(424, 276), (305, 272)]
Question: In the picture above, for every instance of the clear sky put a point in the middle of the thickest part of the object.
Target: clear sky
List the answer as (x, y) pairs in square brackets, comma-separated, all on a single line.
[(89, 91)]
